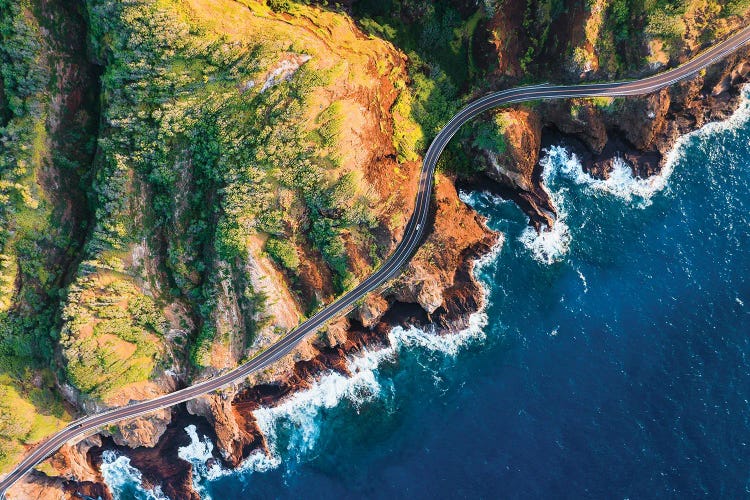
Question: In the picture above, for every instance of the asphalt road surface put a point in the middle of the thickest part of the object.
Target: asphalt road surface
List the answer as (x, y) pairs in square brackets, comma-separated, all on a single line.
[(391, 267)]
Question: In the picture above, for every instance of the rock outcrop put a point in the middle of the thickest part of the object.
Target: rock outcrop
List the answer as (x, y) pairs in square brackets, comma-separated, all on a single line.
[(40, 486), (436, 287), (639, 130), (438, 277)]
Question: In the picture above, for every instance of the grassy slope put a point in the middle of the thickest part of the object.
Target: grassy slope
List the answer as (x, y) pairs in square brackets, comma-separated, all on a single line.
[(198, 161), (193, 165), (35, 238)]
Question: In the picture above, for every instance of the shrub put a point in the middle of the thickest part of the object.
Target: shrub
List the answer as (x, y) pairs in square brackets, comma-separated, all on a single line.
[(284, 252), (280, 5)]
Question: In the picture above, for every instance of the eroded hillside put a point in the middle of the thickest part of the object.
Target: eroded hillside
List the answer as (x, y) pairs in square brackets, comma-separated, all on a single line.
[(235, 169), (183, 181)]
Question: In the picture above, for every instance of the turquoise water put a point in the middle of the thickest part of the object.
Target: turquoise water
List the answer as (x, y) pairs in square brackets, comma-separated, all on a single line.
[(611, 361)]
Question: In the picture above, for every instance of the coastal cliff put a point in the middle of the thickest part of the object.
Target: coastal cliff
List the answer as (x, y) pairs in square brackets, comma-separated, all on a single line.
[(202, 253), (640, 130)]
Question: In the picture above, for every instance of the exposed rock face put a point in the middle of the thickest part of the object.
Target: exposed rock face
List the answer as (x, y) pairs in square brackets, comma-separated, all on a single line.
[(76, 476), (237, 434), (438, 282), (228, 419), (437, 286), (143, 431), (160, 464), (366, 79), (436, 271), (438, 279), (73, 462), (371, 310), (516, 166), (642, 130), (42, 487)]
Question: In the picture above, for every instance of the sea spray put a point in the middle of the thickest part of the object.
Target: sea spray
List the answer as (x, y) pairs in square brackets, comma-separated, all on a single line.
[(561, 168), (292, 428), (632, 191), (447, 345), (549, 245), (124, 480), (488, 259), (739, 118), (556, 329), (674, 156), (559, 164)]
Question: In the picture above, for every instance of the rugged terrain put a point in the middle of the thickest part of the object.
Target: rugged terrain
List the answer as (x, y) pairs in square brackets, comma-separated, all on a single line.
[(198, 176)]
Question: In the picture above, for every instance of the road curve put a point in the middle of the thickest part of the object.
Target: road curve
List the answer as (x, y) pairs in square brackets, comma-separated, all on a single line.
[(391, 267)]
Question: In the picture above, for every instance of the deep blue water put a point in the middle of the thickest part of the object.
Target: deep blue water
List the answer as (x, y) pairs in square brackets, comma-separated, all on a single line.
[(619, 370)]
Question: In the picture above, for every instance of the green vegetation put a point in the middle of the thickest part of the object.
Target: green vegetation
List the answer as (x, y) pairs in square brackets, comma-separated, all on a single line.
[(284, 252), (219, 166), (663, 19), (440, 65), (36, 241), (23, 213), (434, 31), (330, 122), (27, 415), (736, 8), (490, 136), (537, 23), (111, 335), (131, 210)]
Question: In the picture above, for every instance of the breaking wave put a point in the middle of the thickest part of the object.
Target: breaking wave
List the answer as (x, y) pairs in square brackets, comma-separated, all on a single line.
[(124, 480), (550, 244), (738, 119), (558, 163), (561, 168), (293, 427)]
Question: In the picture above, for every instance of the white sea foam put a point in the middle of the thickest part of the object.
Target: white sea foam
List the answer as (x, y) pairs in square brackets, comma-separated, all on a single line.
[(550, 244), (491, 256), (118, 474), (300, 413), (472, 198), (298, 419), (292, 428), (200, 453), (559, 163), (739, 118), (468, 198), (583, 281), (449, 345), (299, 416)]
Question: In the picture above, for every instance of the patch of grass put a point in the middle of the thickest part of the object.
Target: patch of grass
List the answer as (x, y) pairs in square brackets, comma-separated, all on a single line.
[(111, 335), (284, 252)]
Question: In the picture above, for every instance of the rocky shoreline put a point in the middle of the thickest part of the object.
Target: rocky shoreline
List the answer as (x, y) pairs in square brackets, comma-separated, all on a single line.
[(227, 418), (639, 130), (434, 292)]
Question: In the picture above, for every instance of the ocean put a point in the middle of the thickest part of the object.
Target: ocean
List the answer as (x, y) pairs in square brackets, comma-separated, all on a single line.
[(612, 359)]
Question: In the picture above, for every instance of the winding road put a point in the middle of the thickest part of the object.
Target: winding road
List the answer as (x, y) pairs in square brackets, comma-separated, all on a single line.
[(403, 252)]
